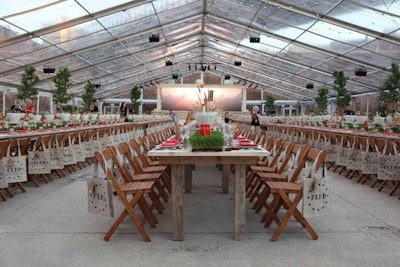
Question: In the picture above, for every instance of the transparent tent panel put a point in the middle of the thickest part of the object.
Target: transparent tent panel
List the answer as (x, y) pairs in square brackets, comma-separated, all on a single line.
[(73, 32), (48, 16), (313, 6), (23, 47), (385, 48), (371, 59), (368, 18), (339, 33)]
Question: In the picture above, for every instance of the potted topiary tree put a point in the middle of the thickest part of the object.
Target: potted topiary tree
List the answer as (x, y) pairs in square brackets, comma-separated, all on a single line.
[(29, 79), (62, 83), (269, 104), (322, 100), (135, 96), (389, 94), (87, 96), (343, 96)]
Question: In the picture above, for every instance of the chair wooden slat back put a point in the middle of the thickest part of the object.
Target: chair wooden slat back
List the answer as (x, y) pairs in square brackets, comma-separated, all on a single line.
[(3, 147)]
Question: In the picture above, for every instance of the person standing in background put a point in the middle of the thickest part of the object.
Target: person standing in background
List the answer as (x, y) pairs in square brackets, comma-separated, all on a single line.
[(94, 108), (348, 110), (226, 118), (123, 112), (255, 123)]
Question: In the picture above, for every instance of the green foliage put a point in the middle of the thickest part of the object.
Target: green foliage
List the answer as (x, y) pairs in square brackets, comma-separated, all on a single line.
[(135, 96), (214, 140), (396, 129), (343, 96), (390, 90), (87, 96), (62, 83), (27, 88), (269, 104), (379, 128), (322, 99), (382, 110)]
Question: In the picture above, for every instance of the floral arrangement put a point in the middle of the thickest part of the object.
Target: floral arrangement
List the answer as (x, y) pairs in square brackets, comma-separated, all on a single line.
[(202, 103)]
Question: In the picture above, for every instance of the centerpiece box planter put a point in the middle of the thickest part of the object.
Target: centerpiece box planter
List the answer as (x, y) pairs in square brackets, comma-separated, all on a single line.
[(212, 142)]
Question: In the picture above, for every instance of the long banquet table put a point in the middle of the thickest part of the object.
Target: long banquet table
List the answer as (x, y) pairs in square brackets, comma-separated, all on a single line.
[(180, 157)]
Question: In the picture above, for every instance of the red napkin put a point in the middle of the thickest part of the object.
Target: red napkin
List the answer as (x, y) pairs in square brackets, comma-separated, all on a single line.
[(23, 131), (244, 141), (168, 144), (249, 144)]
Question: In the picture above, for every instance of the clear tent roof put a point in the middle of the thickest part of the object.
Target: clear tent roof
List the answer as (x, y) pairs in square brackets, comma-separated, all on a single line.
[(301, 41)]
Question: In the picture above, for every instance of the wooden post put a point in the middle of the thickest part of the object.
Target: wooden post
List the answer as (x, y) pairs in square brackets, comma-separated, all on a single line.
[(225, 178), (240, 201), (177, 204)]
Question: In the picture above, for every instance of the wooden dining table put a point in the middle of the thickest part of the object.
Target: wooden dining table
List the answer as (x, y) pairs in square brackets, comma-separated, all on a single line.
[(179, 158)]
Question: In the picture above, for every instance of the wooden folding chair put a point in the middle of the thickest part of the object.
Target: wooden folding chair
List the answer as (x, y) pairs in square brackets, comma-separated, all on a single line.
[(276, 150), (390, 185), (3, 152), (281, 192), (367, 145), (146, 161), (40, 144), (281, 158), (351, 165), (125, 151), (341, 156), (299, 151), (22, 145), (141, 168), (380, 146), (137, 190), (110, 157), (268, 145)]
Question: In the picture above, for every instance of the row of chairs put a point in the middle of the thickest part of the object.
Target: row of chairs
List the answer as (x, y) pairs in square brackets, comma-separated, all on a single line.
[(62, 153), (279, 177), (140, 182), (367, 158)]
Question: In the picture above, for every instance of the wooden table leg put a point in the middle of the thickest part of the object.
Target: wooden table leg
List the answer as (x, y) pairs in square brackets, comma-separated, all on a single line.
[(177, 202), (225, 178), (188, 178), (240, 201)]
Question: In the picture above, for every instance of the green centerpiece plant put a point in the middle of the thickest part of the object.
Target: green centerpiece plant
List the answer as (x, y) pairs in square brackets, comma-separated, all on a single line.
[(213, 142)]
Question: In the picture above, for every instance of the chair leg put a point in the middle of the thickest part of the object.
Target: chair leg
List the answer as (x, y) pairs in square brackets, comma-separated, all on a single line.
[(147, 214), (9, 192), (129, 210), (3, 196), (292, 210), (394, 188), (34, 180)]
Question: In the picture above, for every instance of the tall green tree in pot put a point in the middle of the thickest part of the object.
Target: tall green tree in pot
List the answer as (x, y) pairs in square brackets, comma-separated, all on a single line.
[(87, 96), (322, 100), (343, 96), (269, 104), (135, 96), (27, 88), (389, 94), (62, 82)]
